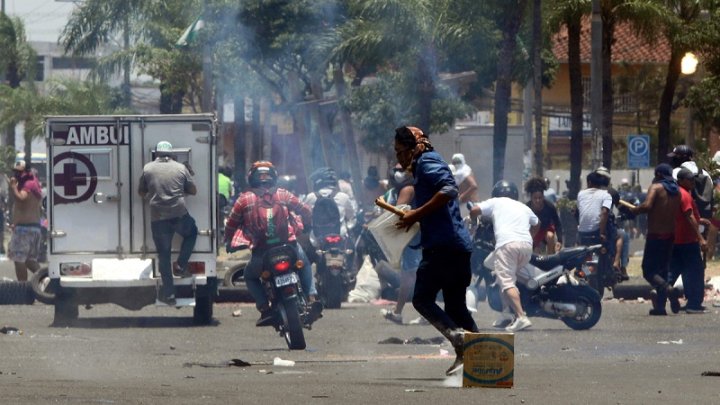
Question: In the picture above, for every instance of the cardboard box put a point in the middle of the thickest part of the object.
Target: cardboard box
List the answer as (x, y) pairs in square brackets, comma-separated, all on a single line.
[(489, 360)]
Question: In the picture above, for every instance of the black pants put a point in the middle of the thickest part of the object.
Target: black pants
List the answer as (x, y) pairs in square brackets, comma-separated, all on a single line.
[(447, 270), (656, 265)]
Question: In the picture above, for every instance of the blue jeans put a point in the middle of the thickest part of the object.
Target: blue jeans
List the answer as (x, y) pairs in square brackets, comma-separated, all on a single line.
[(163, 232), (252, 276)]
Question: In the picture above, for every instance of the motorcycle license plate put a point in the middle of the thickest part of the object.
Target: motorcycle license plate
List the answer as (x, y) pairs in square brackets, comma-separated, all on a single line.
[(286, 279)]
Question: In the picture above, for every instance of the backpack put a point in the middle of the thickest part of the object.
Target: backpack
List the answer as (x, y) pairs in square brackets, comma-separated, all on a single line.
[(326, 215), (703, 194), (268, 218)]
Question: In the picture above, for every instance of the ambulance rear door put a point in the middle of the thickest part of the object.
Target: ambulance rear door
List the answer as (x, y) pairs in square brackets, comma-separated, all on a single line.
[(88, 184)]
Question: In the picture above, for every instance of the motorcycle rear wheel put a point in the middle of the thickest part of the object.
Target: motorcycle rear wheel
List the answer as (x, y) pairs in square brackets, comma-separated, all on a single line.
[(589, 309), (292, 328), (333, 291)]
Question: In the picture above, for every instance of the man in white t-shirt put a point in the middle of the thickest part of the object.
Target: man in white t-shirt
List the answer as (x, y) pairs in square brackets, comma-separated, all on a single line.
[(593, 207), (514, 224)]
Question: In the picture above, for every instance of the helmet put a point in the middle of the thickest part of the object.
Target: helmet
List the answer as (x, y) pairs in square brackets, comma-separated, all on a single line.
[(504, 188), (681, 153), (163, 148), (259, 167), (324, 177)]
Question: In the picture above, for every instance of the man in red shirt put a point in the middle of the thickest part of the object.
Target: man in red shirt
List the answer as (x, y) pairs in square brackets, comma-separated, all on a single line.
[(688, 245)]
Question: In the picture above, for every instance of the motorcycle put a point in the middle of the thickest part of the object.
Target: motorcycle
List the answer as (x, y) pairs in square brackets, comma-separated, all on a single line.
[(334, 276), (555, 288), (281, 282)]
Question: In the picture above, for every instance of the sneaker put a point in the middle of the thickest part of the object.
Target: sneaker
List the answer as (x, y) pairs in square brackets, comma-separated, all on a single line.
[(657, 312), (673, 296), (419, 321), (695, 310), (391, 316), (503, 320), (267, 317), (520, 323), (168, 300)]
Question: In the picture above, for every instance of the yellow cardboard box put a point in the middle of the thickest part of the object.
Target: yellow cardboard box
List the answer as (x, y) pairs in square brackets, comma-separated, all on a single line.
[(489, 360)]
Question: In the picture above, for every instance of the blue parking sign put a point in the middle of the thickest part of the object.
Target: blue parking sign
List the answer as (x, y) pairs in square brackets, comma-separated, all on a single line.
[(638, 151)]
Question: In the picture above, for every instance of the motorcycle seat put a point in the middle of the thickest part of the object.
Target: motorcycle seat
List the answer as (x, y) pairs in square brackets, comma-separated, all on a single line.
[(550, 261)]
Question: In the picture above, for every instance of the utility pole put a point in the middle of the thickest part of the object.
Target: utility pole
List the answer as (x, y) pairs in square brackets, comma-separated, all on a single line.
[(596, 84)]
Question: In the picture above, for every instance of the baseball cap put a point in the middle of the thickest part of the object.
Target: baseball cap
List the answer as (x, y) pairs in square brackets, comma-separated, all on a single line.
[(163, 146), (19, 166), (685, 174), (681, 150)]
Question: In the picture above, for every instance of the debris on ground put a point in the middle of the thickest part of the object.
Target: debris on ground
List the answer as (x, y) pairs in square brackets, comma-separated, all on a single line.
[(224, 364), (413, 341), (236, 313), (710, 374), (10, 330), (277, 361), (675, 342)]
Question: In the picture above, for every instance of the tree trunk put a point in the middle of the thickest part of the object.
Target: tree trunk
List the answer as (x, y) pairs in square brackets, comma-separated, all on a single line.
[(347, 129), (239, 135), (503, 84), (608, 32), (666, 100), (126, 92), (426, 88), (326, 142), (576, 106), (170, 103), (300, 130), (537, 83)]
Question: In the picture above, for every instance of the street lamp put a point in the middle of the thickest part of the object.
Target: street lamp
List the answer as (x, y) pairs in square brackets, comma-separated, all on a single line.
[(688, 64)]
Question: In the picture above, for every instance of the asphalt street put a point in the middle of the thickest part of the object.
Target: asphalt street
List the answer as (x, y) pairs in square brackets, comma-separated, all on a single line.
[(156, 356)]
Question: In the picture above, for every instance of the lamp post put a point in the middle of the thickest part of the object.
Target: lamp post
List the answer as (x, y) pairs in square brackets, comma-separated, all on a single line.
[(596, 84)]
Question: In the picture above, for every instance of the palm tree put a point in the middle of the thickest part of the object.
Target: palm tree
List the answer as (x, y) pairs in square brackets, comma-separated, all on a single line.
[(17, 61), (147, 31), (570, 14), (509, 19)]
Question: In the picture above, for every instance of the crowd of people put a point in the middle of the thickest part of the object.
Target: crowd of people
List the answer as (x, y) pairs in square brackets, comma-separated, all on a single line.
[(437, 195)]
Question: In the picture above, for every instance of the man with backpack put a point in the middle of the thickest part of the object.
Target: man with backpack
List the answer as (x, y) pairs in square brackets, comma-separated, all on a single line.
[(268, 216), (703, 190), (332, 210)]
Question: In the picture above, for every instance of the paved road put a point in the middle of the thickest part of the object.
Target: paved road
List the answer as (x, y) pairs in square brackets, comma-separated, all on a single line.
[(156, 356)]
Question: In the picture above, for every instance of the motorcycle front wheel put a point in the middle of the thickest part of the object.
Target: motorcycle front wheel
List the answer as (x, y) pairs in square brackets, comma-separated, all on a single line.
[(292, 326), (589, 309)]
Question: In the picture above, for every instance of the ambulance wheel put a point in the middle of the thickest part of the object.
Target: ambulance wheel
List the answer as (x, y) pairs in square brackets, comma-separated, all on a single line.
[(203, 311), (41, 286), (66, 312)]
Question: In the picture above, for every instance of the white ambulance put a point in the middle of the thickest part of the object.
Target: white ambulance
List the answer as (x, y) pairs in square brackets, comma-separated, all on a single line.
[(100, 247)]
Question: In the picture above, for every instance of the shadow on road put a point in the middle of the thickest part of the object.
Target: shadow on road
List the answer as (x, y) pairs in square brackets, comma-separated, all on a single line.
[(138, 322)]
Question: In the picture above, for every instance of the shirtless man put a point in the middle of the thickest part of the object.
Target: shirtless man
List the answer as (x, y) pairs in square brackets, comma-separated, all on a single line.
[(661, 205), (26, 239)]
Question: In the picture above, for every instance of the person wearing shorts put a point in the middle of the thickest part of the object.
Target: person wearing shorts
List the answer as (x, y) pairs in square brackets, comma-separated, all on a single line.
[(26, 239), (514, 224)]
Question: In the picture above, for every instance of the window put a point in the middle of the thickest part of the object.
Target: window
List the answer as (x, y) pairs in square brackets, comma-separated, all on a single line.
[(72, 63), (101, 159), (40, 69)]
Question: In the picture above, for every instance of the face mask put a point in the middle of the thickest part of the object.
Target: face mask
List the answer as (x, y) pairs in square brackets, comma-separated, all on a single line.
[(401, 176)]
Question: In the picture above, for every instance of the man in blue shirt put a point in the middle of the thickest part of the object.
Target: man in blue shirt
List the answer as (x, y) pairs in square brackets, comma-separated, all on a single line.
[(445, 241)]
